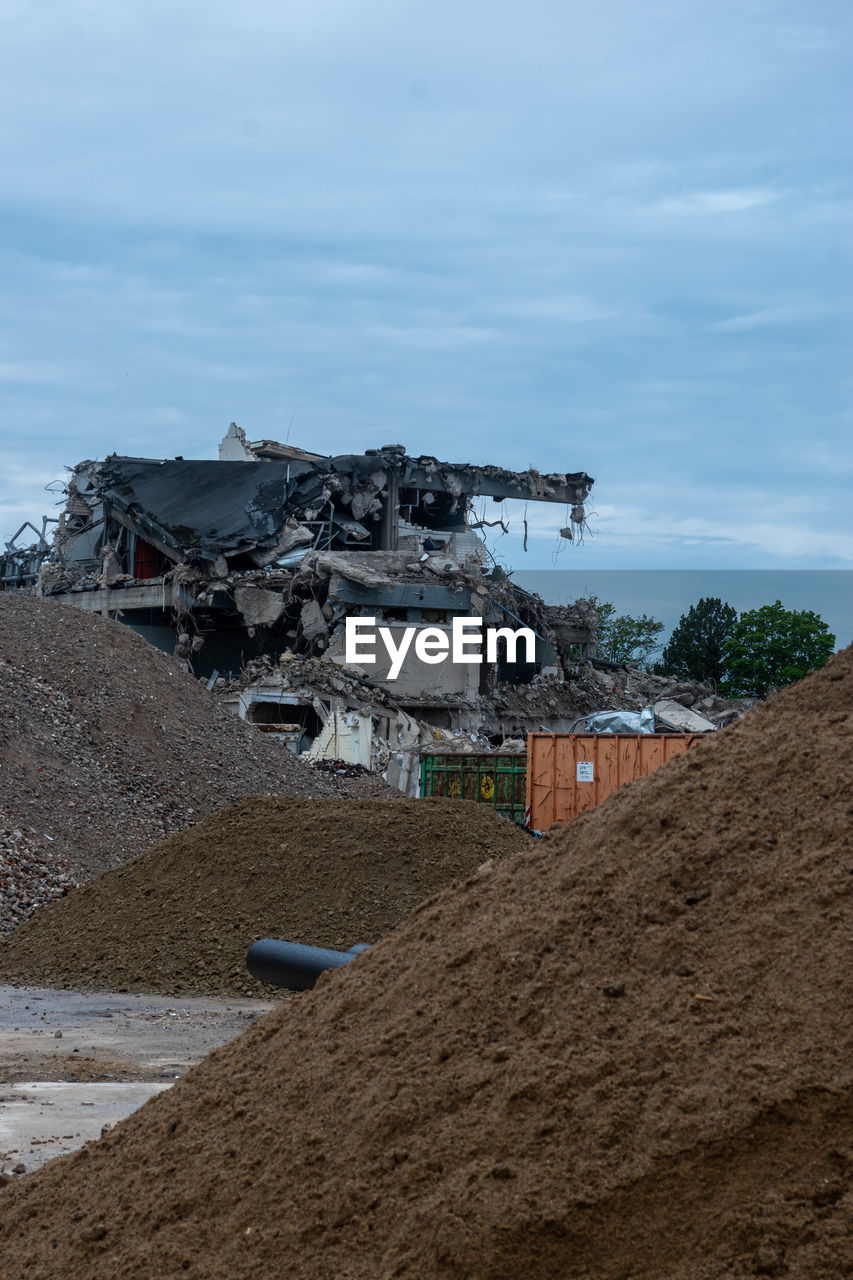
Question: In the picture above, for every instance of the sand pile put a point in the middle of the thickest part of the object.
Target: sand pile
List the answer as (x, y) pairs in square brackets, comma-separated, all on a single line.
[(180, 917), (107, 745), (625, 1052)]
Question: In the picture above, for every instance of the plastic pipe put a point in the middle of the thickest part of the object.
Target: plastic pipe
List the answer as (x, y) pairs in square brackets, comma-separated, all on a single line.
[(292, 965)]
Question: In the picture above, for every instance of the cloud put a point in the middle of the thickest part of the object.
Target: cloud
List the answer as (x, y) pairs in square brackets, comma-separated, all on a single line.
[(24, 373), (33, 492), (701, 203), (773, 318), (665, 532)]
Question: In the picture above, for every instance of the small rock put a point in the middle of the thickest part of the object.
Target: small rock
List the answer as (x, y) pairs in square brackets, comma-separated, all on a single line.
[(96, 1232), (57, 1035), (769, 1261), (615, 990), (19, 1168), (502, 1171)]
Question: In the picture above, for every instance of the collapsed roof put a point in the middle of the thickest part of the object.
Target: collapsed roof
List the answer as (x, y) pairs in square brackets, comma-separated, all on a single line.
[(257, 511)]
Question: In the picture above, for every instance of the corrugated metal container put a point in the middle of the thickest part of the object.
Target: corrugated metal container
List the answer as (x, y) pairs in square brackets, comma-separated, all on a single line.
[(570, 772), (495, 780)]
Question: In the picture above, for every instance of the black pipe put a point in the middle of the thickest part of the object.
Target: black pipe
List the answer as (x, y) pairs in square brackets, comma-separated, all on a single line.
[(292, 965)]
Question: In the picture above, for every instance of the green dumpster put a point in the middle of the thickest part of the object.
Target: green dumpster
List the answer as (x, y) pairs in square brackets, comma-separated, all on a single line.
[(496, 780)]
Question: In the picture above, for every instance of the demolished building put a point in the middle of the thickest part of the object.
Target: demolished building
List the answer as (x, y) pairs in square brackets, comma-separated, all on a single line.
[(261, 555), (248, 567)]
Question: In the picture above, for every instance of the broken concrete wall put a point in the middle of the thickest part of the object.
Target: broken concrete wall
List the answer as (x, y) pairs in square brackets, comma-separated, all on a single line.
[(346, 735)]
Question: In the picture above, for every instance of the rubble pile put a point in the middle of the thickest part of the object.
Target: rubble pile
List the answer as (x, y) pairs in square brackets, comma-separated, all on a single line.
[(313, 676), (267, 553), (589, 687), (551, 704), (180, 918), (342, 769), (625, 1051), (108, 746), (487, 722), (30, 875), (249, 569), (361, 783), (635, 689), (396, 725)]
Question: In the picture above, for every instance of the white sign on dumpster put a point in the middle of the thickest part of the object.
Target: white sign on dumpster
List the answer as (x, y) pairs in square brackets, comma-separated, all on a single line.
[(585, 771)]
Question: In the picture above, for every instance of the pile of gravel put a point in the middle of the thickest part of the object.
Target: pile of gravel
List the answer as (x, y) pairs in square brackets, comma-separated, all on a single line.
[(107, 745), (27, 880)]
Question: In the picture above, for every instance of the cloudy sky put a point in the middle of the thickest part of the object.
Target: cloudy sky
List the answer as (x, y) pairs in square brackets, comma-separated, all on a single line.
[(609, 237)]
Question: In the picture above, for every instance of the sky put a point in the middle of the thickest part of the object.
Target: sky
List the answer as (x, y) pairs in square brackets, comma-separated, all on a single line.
[(611, 238)]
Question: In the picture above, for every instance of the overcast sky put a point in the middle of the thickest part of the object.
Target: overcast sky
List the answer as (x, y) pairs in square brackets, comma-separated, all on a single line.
[(609, 237)]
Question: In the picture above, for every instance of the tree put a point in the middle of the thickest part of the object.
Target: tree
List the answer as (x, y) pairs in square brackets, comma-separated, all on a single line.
[(773, 646), (622, 638), (695, 649)]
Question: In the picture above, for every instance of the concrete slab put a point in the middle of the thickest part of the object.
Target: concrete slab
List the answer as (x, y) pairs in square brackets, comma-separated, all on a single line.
[(72, 1062), (46, 1118), (682, 718)]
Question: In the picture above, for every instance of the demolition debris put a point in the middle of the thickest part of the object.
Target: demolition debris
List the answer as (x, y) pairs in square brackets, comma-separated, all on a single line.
[(108, 746), (256, 571)]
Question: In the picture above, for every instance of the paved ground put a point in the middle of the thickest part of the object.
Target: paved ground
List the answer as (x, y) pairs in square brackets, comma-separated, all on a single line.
[(72, 1063)]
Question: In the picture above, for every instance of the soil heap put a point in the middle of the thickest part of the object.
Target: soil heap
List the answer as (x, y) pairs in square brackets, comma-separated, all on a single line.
[(624, 1052), (180, 918), (107, 745)]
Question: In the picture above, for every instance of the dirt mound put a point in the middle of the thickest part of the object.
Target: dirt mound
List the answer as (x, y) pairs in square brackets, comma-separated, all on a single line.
[(108, 745), (180, 917), (624, 1052)]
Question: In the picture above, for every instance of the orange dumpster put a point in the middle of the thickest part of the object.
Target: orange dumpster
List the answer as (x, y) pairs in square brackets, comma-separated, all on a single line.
[(570, 772)]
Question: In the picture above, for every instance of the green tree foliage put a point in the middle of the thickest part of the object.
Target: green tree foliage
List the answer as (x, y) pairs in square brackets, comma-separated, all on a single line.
[(774, 646), (624, 639), (695, 649)]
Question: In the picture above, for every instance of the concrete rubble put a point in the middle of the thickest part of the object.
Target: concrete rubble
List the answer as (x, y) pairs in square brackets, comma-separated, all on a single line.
[(248, 567), (30, 873)]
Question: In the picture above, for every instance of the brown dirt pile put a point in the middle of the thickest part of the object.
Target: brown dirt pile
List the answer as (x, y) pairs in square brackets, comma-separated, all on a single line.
[(107, 745), (180, 917), (474, 1097)]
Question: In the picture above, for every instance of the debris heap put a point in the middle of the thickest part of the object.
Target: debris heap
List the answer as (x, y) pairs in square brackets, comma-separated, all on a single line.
[(180, 918), (272, 549), (550, 704), (249, 569), (108, 746), (28, 878), (626, 1051)]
